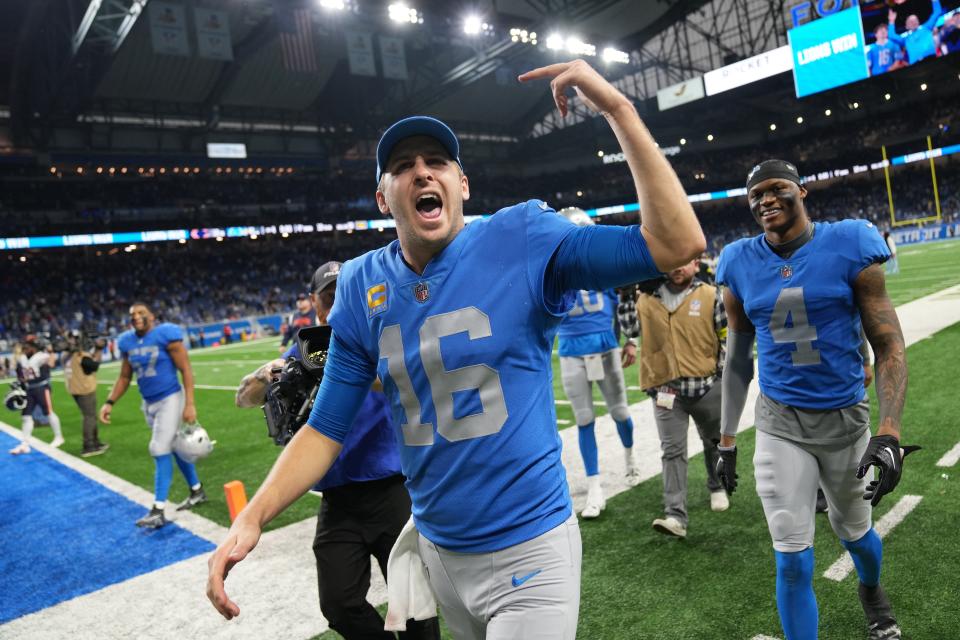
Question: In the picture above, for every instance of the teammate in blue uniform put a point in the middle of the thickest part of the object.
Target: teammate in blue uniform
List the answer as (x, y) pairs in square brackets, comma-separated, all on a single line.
[(459, 322), (589, 353), (883, 53), (33, 370), (803, 289), (155, 352)]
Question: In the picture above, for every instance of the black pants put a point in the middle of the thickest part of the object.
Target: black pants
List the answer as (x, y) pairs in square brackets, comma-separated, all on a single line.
[(356, 521)]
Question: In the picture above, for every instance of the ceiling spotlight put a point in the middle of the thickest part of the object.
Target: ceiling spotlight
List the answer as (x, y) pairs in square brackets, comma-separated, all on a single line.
[(683, 141), (827, 112), (923, 87), (554, 41), (709, 137), (886, 96), (773, 127), (578, 47), (600, 154), (400, 12), (799, 119), (579, 194), (336, 5), (615, 55), (471, 25), (856, 105)]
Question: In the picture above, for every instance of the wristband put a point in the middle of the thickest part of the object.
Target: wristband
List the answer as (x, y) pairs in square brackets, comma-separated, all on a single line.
[(109, 402)]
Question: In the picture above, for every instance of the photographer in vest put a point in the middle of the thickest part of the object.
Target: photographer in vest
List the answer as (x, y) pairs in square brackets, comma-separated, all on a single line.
[(683, 330)]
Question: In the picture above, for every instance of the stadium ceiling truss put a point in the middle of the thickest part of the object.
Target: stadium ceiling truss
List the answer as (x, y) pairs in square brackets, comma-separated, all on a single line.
[(717, 34)]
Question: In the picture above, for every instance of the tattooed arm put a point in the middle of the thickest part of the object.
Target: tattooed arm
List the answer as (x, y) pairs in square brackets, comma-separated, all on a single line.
[(253, 388), (882, 327)]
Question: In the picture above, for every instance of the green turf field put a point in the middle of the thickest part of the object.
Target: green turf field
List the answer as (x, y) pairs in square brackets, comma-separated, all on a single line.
[(636, 584)]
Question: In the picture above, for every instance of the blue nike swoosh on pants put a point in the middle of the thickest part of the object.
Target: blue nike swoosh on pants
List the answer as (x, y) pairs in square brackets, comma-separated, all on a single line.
[(519, 581)]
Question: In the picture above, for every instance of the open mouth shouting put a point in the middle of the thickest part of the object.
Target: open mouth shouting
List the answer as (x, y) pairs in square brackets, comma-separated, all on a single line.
[(429, 205)]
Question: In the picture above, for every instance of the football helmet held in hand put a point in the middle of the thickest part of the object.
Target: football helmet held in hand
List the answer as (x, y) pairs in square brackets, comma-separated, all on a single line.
[(192, 442)]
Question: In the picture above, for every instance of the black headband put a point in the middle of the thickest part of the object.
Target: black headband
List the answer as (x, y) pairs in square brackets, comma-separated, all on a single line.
[(772, 169)]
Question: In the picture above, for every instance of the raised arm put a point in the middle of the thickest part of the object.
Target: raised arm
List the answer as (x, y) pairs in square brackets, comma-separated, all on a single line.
[(668, 223)]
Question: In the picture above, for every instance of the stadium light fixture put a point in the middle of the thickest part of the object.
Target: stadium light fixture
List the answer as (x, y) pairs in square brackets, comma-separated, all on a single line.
[(53, 169), (123, 170), (579, 194), (827, 112), (886, 96), (23, 258), (99, 169), (923, 87), (334, 5), (80, 170), (773, 126), (578, 47), (600, 154), (182, 241), (474, 26), (709, 137), (856, 105), (400, 12), (615, 55), (518, 34), (554, 41), (683, 141), (799, 119)]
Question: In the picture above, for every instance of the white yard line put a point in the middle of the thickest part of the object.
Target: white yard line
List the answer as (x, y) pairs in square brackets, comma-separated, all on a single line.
[(763, 637), (844, 565), (951, 457)]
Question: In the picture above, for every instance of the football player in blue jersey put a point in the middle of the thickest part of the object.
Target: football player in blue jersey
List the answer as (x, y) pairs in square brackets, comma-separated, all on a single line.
[(803, 289), (458, 322), (882, 54), (155, 352), (589, 353)]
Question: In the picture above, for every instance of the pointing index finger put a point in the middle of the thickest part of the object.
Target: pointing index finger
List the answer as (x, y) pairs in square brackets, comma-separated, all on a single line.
[(549, 71)]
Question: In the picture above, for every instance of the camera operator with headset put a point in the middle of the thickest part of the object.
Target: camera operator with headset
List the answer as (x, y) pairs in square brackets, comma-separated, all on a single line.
[(80, 356), (365, 503)]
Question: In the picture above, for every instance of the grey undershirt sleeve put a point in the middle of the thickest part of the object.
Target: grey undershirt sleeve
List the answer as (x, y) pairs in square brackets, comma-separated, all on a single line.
[(737, 374)]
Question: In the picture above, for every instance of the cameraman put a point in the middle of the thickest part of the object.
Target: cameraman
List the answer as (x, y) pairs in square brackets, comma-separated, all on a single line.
[(365, 503), (81, 360)]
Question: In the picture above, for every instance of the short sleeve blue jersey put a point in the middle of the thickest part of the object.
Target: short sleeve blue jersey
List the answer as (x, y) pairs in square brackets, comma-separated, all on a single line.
[(804, 312), (588, 328), (148, 355), (882, 56)]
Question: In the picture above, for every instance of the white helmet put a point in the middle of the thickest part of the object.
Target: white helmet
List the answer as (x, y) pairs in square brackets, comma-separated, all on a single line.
[(577, 216), (16, 398), (192, 442)]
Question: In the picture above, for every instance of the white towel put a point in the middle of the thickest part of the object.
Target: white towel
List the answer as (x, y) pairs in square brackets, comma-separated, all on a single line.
[(408, 587)]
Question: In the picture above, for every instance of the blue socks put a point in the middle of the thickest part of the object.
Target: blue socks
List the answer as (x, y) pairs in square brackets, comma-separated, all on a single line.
[(625, 430), (867, 554), (795, 600), (588, 448), (188, 470), (162, 477)]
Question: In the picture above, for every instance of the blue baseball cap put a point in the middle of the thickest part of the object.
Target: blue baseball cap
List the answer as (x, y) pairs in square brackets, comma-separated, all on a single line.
[(416, 126)]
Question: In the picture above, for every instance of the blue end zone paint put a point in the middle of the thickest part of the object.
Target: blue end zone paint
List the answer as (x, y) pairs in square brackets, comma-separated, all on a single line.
[(64, 535)]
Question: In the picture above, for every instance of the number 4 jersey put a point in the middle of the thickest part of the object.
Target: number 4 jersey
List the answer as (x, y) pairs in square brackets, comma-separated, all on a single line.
[(804, 312), (148, 355), (464, 353)]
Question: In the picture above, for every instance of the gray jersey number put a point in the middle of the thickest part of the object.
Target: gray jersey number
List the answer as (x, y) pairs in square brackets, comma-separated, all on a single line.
[(444, 383), (790, 304), (584, 304)]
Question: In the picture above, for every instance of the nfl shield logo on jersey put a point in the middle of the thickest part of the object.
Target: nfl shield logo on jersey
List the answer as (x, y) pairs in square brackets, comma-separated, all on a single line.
[(421, 292), (786, 271)]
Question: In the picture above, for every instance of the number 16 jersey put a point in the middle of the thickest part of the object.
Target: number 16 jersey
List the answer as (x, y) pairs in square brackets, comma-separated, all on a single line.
[(804, 312), (464, 353)]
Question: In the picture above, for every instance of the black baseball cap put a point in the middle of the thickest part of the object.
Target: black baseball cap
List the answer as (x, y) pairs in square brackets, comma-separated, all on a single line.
[(416, 126), (324, 276), (772, 169)]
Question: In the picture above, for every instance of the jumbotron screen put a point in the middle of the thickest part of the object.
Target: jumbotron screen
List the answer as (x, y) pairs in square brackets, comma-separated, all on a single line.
[(873, 38)]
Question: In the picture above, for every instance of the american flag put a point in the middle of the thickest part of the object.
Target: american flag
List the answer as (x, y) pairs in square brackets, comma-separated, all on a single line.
[(296, 38)]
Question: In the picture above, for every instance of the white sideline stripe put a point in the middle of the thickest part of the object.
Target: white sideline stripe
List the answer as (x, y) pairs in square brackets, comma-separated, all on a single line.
[(763, 637), (559, 421), (566, 403), (844, 565), (951, 457), (634, 388)]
